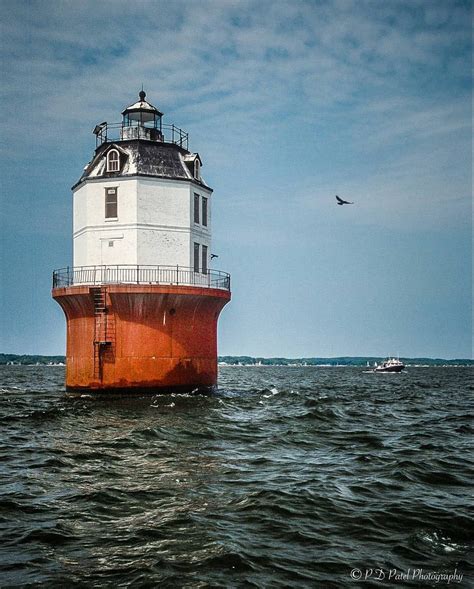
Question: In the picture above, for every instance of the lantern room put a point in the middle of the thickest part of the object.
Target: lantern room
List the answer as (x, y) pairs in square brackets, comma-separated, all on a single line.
[(142, 120)]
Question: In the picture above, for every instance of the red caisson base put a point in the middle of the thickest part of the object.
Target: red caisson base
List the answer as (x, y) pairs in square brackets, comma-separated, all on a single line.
[(141, 338)]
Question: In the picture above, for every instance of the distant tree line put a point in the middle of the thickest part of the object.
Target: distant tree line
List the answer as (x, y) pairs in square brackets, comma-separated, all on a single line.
[(336, 361), (26, 359)]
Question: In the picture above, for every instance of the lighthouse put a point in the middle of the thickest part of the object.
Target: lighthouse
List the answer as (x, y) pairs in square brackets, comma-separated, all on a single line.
[(141, 301)]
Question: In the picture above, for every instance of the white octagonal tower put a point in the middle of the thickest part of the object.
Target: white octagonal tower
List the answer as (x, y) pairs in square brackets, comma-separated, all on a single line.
[(142, 200)]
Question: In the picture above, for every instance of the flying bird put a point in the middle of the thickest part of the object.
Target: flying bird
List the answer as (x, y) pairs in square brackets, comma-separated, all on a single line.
[(343, 202), (214, 256)]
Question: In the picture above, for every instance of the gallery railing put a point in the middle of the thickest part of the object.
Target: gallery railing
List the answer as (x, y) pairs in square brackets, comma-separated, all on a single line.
[(107, 132), (131, 274)]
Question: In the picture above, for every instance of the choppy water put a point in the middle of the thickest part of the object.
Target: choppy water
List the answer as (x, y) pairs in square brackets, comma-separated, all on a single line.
[(287, 477)]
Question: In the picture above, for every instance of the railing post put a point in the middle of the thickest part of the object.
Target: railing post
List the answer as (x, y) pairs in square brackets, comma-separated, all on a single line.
[(138, 277), (177, 274)]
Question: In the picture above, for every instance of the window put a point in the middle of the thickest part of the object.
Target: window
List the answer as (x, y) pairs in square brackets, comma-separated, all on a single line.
[(204, 211), (113, 161), (197, 173), (204, 259), (196, 257), (111, 203), (196, 208)]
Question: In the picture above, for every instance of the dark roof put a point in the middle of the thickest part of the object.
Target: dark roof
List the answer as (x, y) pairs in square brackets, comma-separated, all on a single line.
[(142, 158)]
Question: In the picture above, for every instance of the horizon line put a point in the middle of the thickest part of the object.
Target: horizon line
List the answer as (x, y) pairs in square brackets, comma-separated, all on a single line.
[(281, 357)]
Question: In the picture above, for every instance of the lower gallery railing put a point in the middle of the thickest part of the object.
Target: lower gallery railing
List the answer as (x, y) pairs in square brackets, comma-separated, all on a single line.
[(129, 274)]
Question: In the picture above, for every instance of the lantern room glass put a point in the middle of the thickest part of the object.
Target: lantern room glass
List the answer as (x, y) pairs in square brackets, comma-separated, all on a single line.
[(143, 118)]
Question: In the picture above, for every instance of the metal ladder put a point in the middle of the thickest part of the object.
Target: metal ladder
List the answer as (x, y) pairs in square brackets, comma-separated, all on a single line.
[(104, 329)]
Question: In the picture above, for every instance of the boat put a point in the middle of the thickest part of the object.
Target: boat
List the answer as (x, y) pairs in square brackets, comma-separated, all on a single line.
[(390, 365)]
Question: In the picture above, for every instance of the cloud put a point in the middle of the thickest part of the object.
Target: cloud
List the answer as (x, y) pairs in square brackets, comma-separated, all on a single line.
[(255, 71), (288, 103)]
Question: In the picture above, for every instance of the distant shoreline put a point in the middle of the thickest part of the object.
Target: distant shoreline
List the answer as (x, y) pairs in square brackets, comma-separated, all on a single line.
[(33, 360)]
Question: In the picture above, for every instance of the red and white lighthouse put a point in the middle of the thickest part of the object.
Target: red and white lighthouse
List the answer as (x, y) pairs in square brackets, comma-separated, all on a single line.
[(141, 301)]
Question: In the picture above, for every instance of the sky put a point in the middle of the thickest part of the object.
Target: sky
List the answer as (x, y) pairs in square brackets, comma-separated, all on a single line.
[(288, 104)]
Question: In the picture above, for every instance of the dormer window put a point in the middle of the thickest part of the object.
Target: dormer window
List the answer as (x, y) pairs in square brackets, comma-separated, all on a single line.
[(113, 161), (197, 170)]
